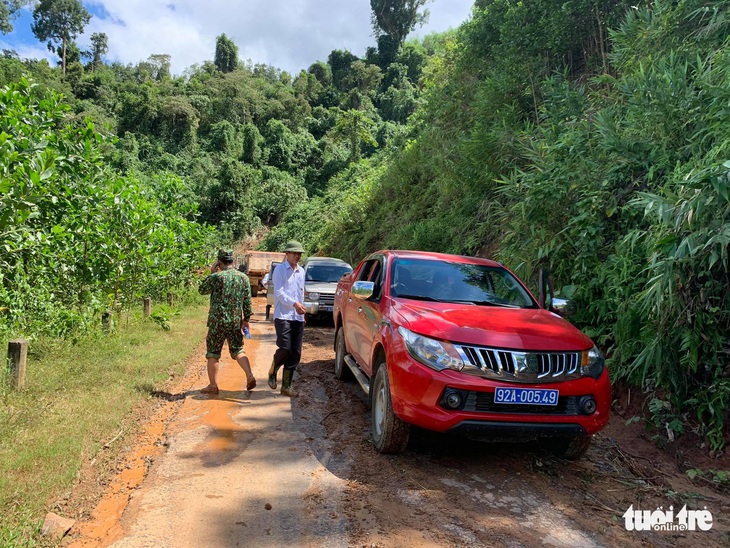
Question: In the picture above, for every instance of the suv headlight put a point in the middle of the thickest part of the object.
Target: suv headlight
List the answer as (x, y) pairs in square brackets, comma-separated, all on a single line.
[(314, 296), (592, 363), (438, 355)]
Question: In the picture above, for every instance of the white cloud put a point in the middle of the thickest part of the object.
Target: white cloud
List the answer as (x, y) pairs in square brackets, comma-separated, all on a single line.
[(288, 34)]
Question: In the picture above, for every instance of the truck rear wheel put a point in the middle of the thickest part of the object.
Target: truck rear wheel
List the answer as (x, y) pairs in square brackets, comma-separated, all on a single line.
[(390, 434)]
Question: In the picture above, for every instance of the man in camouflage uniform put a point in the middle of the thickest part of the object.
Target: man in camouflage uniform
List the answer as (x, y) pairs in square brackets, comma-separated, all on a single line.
[(230, 310)]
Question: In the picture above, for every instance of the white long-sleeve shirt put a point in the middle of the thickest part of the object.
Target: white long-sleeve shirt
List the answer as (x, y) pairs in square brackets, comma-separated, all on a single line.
[(288, 289)]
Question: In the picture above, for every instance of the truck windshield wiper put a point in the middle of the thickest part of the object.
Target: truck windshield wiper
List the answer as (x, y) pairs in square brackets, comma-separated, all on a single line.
[(482, 303), (418, 297)]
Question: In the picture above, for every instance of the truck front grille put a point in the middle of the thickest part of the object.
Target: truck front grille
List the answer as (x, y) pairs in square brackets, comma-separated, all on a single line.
[(527, 367), (326, 300)]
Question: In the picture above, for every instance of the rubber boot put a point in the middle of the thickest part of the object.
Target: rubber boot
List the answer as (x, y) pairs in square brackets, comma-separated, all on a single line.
[(273, 370), (286, 388)]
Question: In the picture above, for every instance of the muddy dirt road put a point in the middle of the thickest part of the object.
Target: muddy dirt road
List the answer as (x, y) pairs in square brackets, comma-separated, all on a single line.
[(258, 469)]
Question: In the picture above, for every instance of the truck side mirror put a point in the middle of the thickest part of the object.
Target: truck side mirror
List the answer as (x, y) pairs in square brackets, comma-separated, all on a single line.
[(363, 290), (562, 307), (548, 300)]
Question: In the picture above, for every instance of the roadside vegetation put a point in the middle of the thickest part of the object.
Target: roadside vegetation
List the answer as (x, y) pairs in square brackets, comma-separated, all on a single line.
[(77, 405), (588, 138)]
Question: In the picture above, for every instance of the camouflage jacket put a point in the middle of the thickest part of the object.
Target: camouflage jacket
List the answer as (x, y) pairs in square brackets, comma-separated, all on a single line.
[(230, 298)]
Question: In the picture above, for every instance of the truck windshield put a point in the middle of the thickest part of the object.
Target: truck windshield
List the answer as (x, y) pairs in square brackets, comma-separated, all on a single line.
[(326, 273), (481, 285)]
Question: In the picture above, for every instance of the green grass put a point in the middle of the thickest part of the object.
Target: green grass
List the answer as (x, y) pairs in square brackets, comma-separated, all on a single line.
[(77, 398)]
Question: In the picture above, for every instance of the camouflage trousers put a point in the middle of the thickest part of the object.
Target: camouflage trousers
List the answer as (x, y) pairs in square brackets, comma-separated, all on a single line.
[(217, 335)]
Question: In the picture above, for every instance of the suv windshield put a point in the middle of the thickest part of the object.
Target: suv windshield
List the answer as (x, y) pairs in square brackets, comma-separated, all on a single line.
[(326, 273), (433, 280)]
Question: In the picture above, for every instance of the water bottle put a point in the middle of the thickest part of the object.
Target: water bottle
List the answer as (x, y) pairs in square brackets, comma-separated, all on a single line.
[(246, 333)]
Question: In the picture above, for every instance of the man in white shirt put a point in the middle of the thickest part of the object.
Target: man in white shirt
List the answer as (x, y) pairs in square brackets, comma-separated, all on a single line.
[(288, 278)]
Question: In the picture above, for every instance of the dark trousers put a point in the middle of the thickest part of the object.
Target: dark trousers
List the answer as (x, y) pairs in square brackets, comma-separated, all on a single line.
[(289, 335)]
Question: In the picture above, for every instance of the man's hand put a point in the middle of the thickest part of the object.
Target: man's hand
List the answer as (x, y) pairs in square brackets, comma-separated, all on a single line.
[(299, 307), (215, 267)]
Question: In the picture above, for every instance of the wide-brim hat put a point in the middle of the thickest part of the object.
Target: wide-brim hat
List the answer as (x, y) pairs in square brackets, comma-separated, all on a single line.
[(225, 255), (293, 247)]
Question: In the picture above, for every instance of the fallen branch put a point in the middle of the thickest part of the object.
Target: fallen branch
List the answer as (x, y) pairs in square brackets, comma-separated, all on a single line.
[(108, 444)]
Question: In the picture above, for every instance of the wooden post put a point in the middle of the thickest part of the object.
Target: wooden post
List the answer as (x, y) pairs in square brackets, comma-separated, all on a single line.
[(147, 307), (170, 299), (18, 354)]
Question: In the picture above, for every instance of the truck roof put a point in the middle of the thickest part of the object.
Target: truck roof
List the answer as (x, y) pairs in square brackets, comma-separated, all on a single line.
[(410, 254), (331, 260)]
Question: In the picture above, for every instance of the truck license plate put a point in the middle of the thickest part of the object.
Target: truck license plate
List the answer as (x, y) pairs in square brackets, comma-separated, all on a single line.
[(526, 396), (326, 308)]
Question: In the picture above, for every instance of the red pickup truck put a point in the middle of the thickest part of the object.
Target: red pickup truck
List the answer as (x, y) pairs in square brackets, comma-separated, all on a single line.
[(459, 344)]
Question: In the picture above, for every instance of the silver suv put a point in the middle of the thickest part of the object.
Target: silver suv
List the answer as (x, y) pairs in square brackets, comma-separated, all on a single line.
[(321, 275)]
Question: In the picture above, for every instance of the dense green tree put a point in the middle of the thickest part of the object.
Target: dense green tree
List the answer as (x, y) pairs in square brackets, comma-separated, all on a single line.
[(73, 53), (339, 62), (177, 123), (363, 77), (158, 65), (99, 47), (356, 129), (227, 203), (8, 10), (387, 50), (253, 145), (226, 54), (59, 22), (398, 103), (322, 72), (276, 195), (223, 139), (397, 18), (413, 55)]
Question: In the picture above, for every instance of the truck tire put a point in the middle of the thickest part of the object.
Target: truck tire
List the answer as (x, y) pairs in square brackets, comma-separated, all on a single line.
[(254, 290), (390, 434), (268, 311), (572, 448), (342, 371)]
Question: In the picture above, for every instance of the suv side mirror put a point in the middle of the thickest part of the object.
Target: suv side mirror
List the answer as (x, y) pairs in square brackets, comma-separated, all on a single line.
[(363, 290)]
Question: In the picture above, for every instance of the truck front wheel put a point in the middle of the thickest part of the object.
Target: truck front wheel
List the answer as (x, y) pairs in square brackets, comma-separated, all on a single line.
[(390, 434), (342, 371), (572, 448)]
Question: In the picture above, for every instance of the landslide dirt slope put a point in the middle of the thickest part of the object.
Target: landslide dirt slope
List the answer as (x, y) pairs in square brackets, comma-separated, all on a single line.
[(258, 469)]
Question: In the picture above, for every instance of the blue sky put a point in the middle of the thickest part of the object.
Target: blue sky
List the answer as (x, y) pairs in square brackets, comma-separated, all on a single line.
[(288, 34)]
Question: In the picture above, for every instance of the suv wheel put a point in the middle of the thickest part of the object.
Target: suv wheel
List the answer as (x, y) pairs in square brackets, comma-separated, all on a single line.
[(342, 371), (572, 448), (390, 434)]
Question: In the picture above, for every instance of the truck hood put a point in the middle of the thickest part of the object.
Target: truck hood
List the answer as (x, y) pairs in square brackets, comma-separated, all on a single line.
[(320, 287), (514, 328)]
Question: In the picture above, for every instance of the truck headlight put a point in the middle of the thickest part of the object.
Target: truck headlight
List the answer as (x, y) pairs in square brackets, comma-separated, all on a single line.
[(311, 296), (592, 363), (438, 355)]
